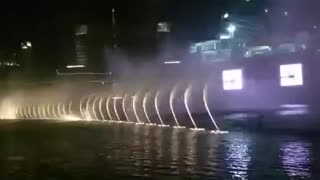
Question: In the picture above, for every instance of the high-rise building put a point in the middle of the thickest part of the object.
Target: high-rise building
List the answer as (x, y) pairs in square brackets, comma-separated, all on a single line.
[(163, 38), (81, 45)]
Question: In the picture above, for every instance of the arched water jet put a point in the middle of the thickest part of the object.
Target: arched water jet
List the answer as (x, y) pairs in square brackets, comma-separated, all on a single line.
[(81, 109), (39, 112), (93, 108), (45, 116), (19, 112), (87, 112), (22, 113), (100, 108), (108, 109), (48, 112), (59, 111), (145, 108), (124, 108), (25, 111), (156, 105), (115, 107), (30, 113), (64, 109), (186, 103), (54, 112), (34, 112), (205, 101), (134, 98), (172, 95)]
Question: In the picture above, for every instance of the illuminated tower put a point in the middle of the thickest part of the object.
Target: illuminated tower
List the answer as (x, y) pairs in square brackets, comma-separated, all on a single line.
[(114, 32), (81, 47), (163, 38)]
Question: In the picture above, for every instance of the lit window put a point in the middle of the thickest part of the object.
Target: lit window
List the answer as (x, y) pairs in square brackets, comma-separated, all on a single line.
[(291, 75), (232, 79)]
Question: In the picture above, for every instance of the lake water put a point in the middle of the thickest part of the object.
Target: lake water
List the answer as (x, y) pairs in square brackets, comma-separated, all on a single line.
[(80, 150)]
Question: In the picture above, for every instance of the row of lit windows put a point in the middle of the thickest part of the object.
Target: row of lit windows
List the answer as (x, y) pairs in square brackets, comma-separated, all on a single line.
[(290, 75)]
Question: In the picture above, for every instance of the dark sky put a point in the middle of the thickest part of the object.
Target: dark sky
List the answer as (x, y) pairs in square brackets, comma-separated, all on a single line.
[(50, 24), (30, 19)]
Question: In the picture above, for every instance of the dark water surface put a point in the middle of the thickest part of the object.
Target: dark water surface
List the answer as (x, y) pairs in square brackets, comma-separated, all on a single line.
[(78, 150)]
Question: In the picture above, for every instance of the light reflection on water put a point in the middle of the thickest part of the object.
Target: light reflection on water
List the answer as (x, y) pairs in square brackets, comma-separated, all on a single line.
[(238, 155), (295, 157), (74, 150)]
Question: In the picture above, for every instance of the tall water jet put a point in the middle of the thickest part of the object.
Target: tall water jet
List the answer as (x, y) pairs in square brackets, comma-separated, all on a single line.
[(134, 99), (100, 108), (145, 107), (172, 95), (156, 105), (186, 103), (70, 108)]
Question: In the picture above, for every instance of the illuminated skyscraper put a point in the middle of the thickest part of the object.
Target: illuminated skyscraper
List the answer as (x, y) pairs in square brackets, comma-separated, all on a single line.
[(81, 47), (163, 38)]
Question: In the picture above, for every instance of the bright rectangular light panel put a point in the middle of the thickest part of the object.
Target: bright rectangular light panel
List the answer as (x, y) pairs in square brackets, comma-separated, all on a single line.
[(232, 79), (291, 75)]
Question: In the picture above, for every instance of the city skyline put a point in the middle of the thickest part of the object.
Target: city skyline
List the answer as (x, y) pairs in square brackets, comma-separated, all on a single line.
[(51, 29)]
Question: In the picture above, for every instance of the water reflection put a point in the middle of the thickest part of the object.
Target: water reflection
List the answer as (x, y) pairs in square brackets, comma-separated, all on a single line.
[(190, 152), (295, 158), (238, 155), (113, 151)]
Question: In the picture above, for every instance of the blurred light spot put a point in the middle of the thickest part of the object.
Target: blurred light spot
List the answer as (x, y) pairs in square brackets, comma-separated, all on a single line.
[(291, 75), (232, 79)]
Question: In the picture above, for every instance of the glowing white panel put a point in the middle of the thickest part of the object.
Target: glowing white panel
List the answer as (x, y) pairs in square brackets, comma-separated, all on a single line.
[(232, 79), (291, 75)]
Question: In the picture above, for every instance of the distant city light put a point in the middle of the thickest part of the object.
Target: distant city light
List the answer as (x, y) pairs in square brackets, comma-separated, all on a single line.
[(231, 28), (26, 45), (286, 13), (75, 66), (225, 36), (266, 10), (29, 44), (226, 15), (172, 62), (164, 27), (232, 79), (315, 27), (117, 97), (291, 75)]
